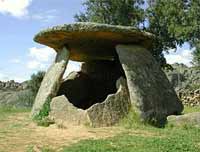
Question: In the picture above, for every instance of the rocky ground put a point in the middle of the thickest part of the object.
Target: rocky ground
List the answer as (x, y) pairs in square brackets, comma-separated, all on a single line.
[(186, 82)]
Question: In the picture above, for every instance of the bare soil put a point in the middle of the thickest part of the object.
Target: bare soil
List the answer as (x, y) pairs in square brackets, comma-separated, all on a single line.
[(18, 133)]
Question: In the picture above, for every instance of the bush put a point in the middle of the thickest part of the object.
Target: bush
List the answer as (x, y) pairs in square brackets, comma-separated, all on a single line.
[(35, 82), (42, 118)]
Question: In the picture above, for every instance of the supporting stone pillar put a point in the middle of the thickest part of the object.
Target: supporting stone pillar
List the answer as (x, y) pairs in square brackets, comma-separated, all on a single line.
[(151, 94), (51, 81)]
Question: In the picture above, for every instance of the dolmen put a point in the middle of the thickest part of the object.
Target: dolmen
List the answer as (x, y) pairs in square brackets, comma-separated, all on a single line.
[(118, 75)]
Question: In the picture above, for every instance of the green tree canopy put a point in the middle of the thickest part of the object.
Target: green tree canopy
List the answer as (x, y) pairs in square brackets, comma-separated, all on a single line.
[(172, 21), (115, 12)]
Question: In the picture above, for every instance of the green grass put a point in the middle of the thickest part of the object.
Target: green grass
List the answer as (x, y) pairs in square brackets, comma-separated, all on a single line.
[(168, 140), (136, 137), (191, 109), (5, 111)]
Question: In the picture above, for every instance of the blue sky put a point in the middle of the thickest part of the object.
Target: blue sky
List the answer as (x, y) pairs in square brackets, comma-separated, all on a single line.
[(20, 20)]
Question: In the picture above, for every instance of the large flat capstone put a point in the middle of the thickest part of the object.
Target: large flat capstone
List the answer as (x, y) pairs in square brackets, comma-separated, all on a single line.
[(92, 41)]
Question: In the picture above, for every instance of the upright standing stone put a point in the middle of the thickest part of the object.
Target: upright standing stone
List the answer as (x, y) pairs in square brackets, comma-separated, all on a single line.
[(150, 91), (51, 81)]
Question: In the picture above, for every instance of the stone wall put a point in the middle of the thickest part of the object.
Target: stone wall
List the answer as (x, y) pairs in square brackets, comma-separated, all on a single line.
[(190, 98)]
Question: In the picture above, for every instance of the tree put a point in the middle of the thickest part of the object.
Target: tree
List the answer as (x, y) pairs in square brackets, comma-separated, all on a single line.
[(35, 82), (175, 22), (196, 55), (165, 19), (119, 12), (115, 12)]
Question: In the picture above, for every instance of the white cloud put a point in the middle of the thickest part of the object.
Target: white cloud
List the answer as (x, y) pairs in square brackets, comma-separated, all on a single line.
[(16, 8), (41, 54), (36, 65), (45, 16), (181, 56), (16, 61), (6, 77), (42, 58)]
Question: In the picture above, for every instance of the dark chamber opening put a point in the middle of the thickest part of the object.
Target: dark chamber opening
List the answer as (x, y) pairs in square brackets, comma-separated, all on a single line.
[(95, 81)]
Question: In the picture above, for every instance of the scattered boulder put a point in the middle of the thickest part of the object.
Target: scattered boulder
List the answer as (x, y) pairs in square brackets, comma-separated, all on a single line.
[(150, 91), (190, 119)]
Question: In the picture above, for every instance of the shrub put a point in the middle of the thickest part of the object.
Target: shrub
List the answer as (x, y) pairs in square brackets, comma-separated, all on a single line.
[(42, 118), (35, 82)]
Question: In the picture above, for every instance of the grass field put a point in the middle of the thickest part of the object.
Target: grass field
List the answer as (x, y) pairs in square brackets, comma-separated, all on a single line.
[(18, 134)]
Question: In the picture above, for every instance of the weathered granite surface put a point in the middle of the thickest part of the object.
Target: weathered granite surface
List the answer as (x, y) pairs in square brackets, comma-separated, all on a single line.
[(151, 94), (66, 114)]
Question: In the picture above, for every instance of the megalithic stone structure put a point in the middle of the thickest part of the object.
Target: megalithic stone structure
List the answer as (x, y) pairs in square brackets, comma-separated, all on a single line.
[(51, 81), (110, 53)]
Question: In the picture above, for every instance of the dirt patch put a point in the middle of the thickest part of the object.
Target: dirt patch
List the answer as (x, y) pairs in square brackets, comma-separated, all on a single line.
[(18, 133)]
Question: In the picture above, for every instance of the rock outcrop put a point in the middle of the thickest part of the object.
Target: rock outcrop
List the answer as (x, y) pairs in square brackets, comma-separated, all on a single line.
[(15, 94)]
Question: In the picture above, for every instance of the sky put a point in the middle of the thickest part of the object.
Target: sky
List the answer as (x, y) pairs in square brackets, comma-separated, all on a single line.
[(20, 20)]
